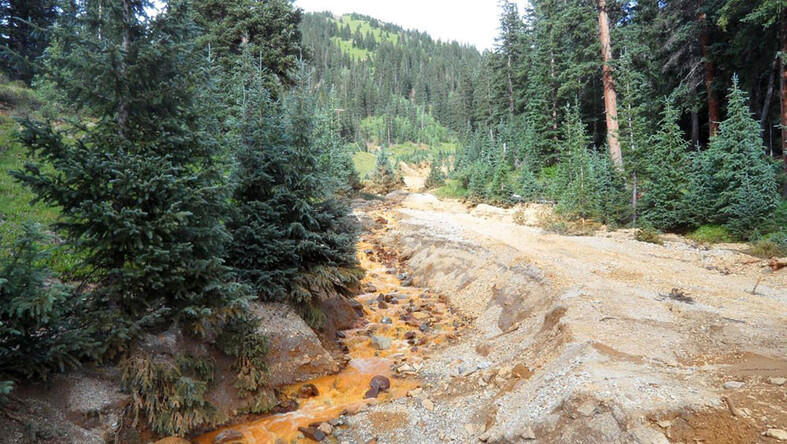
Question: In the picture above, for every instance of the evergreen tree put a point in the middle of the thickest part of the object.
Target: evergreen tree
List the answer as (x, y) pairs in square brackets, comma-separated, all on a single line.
[(42, 327), (384, 179), (667, 175), (291, 240), (575, 188), (435, 178), (733, 183), (139, 189), (24, 34)]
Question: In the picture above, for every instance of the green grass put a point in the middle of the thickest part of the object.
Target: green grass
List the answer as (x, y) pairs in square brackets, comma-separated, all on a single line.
[(711, 234), (347, 47), (16, 96), (379, 34), (364, 163), (451, 190)]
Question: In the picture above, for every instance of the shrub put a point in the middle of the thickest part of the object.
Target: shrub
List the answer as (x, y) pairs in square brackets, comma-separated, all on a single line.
[(649, 235), (436, 178), (42, 328), (772, 245), (711, 234)]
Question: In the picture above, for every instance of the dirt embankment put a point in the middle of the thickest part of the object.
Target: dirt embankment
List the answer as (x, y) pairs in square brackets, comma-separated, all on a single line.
[(581, 339)]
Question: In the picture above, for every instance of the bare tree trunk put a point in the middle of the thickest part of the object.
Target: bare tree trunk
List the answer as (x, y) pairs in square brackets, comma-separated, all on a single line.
[(766, 104), (123, 110), (610, 98), (784, 97), (695, 127), (714, 110)]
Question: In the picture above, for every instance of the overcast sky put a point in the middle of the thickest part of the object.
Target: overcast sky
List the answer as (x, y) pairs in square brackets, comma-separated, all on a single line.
[(467, 21)]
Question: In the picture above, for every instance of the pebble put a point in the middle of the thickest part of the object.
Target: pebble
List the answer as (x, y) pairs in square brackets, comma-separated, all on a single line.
[(732, 385), (777, 381), (427, 404), (325, 428), (312, 433), (528, 434), (386, 320), (779, 434), (381, 342), (380, 383), (308, 391), (665, 424)]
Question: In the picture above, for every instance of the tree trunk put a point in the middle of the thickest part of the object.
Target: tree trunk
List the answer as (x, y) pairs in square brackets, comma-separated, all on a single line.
[(610, 98), (695, 127), (784, 97), (510, 88), (123, 110), (714, 113), (766, 104)]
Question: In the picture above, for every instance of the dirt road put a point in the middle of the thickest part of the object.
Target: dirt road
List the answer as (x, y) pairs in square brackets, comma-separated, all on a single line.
[(582, 339)]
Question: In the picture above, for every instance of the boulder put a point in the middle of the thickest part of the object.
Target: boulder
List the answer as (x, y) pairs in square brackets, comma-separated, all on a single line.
[(296, 353)]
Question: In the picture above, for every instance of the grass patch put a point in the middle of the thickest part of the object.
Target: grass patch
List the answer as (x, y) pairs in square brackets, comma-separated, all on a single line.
[(17, 96), (711, 234), (364, 163), (451, 190), (772, 245)]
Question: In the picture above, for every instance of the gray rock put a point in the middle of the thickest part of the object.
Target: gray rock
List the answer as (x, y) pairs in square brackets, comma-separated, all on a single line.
[(381, 342), (732, 385), (777, 381)]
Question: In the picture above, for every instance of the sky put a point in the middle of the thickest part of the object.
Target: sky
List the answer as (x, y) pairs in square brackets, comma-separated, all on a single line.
[(466, 21)]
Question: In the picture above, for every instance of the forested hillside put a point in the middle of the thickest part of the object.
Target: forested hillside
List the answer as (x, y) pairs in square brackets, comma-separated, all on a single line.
[(389, 85)]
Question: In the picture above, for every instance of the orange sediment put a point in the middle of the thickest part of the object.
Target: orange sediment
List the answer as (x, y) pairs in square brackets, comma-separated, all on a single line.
[(408, 309)]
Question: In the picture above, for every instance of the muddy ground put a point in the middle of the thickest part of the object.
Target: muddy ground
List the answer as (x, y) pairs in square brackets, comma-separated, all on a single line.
[(582, 339)]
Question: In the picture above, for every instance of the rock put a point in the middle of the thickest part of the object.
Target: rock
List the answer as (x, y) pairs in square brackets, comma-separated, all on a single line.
[(664, 424), (406, 368), (777, 381), (386, 320), (286, 406), (296, 353), (409, 335), (483, 365), (732, 385), (370, 288), (381, 342), (779, 434), (325, 428), (308, 391), (427, 404), (407, 282), (587, 408), (382, 305), (312, 433), (371, 393), (380, 383), (340, 334), (527, 434), (228, 436)]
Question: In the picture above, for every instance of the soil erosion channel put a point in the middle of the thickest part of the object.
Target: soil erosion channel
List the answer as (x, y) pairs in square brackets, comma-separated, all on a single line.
[(401, 325)]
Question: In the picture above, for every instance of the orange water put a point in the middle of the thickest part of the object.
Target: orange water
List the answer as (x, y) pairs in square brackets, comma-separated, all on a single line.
[(344, 392)]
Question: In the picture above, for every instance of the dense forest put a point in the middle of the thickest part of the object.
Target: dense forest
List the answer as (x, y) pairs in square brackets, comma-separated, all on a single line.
[(166, 167), (665, 115)]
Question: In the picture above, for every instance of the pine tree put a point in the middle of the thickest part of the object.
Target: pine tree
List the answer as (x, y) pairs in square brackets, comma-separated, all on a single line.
[(42, 326), (384, 179), (575, 188), (139, 189), (435, 178), (667, 175), (732, 182)]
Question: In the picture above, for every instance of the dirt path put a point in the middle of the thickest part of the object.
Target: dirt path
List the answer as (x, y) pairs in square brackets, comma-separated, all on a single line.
[(578, 339)]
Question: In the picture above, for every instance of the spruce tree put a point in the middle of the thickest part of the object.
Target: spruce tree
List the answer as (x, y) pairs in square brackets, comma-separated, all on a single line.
[(662, 203), (292, 241), (42, 325), (575, 190), (733, 183), (435, 178), (24, 35), (139, 189)]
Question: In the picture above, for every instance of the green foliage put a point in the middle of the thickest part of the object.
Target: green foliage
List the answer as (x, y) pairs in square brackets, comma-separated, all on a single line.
[(733, 183), (452, 189), (16, 95), (170, 394), (24, 35), (435, 178), (267, 29), (667, 171), (771, 245), (42, 325), (711, 234), (384, 179), (292, 240), (139, 190)]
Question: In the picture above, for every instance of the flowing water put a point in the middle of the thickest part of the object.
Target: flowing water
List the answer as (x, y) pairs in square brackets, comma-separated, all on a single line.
[(414, 320)]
